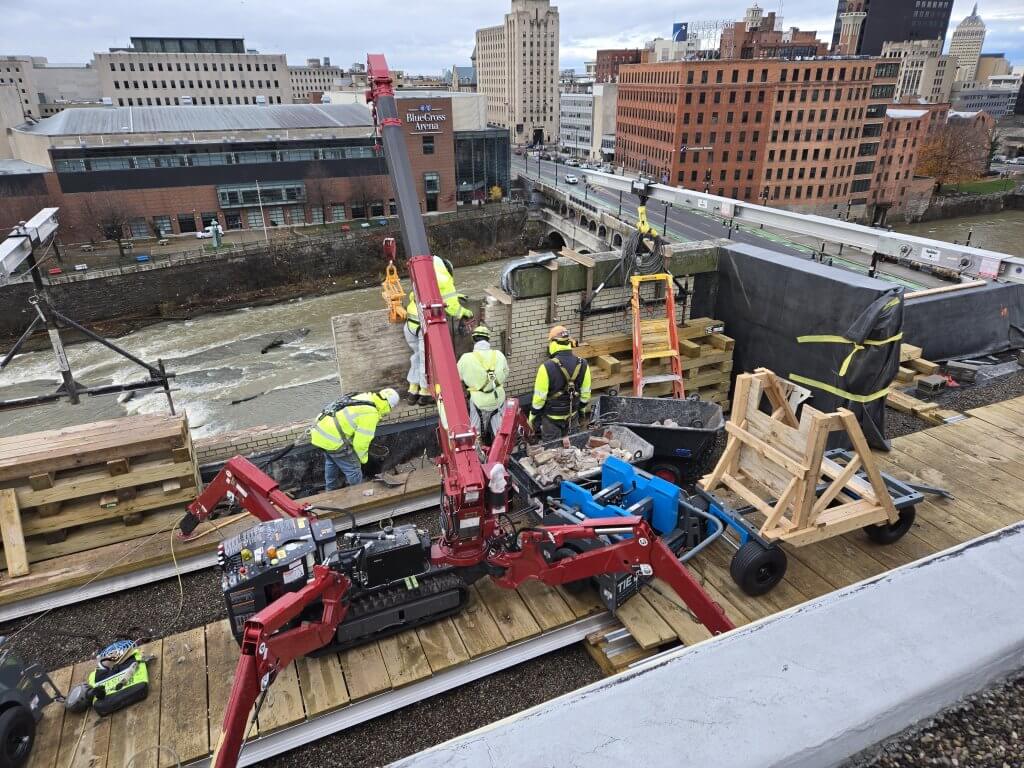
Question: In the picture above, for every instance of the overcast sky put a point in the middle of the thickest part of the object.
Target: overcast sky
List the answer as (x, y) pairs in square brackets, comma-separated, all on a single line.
[(417, 35)]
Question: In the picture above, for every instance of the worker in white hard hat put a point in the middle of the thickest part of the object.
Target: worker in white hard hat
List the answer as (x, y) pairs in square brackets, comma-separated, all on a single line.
[(344, 430), (484, 372), (419, 391)]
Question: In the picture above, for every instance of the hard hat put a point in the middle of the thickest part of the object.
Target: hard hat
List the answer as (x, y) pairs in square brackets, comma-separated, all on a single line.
[(558, 333), (482, 332), (391, 396), (448, 265)]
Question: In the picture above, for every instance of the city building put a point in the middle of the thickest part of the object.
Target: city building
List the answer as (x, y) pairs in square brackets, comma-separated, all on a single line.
[(863, 26), (925, 73), (992, 65), (576, 123), (571, 81), (804, 135), (757, 37), (203, 71), (897, 187), (171, 171), (45, 89), (462, 79), (517, 69), (966, 44), (662, 49), (606, 67), (998, 101), (606, 97), (313, 78)]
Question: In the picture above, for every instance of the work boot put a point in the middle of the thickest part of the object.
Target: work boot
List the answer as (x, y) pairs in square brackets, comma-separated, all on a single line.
[(411, 397), (425, 400)]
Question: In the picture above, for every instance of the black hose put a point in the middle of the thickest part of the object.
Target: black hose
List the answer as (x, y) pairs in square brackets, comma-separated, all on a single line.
[(347, 513), (279, 455)]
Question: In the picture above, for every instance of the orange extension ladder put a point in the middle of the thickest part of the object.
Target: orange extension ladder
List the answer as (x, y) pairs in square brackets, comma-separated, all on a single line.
[(656, 339)]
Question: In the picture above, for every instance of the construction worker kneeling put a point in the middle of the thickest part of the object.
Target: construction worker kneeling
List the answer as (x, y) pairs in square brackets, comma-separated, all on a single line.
[(484, 372), (344, 430), (419, 390), (561, 391)]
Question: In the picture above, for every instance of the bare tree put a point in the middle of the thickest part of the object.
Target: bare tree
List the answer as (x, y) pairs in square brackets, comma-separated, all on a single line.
[(957, 152), (366, 190), (318, 191), (109, 216)]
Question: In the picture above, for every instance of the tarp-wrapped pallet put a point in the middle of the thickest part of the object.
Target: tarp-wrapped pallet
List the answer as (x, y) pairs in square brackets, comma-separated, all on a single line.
[(705, 354), (69, 490)]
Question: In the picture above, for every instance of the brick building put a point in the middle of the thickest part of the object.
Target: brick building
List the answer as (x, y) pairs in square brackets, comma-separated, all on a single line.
[(904, 132), (805, 134), (610, 59), (756, 37), (177, 170)]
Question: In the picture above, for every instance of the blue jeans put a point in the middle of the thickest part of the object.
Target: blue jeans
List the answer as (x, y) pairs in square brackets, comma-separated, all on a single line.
[(338, 463)]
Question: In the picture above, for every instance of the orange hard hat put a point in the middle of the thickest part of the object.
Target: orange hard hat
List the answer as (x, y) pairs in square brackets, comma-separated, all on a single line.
[(558, 333)]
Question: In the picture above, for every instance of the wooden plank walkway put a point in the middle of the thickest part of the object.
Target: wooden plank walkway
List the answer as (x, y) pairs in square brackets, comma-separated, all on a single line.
[(980, 460)]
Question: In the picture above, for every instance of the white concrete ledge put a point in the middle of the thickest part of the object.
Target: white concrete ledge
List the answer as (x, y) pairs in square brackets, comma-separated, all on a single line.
[(806, 688)]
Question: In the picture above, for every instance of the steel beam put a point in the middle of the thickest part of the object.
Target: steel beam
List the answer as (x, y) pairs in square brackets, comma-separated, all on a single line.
[(19, 244), (918, 250)]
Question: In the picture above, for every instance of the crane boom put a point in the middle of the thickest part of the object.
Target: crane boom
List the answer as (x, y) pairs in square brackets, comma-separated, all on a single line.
[(463, 474)]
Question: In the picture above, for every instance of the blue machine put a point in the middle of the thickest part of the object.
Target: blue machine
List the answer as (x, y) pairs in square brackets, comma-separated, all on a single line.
[(647, 496)]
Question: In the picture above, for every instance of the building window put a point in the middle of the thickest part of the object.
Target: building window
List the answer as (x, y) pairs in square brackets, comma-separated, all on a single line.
[(317, 214), (254, 218), (337, 212), (162, 226), (297, 214), (428, 145), (276, 216)]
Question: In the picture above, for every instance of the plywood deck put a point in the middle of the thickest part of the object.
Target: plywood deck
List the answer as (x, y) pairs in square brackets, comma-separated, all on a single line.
[(980, 460)]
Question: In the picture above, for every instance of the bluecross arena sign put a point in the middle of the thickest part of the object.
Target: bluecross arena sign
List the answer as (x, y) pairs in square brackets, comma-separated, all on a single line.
[(425, 119)]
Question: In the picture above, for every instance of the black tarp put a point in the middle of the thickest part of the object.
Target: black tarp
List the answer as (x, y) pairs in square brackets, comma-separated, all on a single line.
[(769, 301), (966, 323)]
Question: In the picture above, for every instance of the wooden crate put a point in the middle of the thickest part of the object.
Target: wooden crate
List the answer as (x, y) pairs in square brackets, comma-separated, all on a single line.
[(705, 356), (80, 487)]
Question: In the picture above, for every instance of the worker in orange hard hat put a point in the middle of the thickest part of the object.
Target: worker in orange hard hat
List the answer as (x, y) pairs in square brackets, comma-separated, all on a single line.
[(561, 391)]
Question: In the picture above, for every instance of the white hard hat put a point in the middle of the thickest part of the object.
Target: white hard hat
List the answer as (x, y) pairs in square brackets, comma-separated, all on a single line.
[(391, 396)]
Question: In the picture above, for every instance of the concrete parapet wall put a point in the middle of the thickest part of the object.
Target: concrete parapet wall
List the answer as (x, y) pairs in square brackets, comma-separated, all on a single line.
[(246, 442)]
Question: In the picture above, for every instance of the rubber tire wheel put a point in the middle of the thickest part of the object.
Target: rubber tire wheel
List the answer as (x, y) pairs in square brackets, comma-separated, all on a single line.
[(757, 569), (889, 533), (573, 587), (667, 470), (17, 735)]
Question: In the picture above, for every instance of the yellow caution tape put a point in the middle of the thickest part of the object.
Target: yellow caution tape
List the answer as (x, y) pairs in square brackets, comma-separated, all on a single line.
[(839, 392), (828, 339)]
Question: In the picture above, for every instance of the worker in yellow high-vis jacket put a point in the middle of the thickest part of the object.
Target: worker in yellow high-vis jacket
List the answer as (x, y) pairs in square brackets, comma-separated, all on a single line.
[(419, 390), (344, 431), (484, 372), (561, 391)]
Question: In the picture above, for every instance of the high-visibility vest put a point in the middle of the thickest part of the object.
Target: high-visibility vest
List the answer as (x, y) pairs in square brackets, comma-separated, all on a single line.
[(450, 297), (354, 425), (483, 371), (563, 384)]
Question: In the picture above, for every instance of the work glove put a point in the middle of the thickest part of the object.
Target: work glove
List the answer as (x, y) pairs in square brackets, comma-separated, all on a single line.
[(467, 314)]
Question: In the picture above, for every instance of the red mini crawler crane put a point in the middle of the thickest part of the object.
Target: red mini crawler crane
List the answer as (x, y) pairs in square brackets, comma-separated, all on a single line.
[(294, 586)]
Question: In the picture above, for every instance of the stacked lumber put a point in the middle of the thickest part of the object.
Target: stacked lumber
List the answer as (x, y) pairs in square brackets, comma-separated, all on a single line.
[(70, 490), (912, 367), (705, 353)]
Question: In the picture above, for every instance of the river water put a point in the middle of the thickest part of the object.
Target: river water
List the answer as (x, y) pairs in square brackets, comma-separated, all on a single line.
[(1002, 232), (218, 359)]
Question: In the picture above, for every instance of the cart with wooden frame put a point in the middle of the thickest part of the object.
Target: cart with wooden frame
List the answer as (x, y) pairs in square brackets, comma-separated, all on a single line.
[(799, 492)]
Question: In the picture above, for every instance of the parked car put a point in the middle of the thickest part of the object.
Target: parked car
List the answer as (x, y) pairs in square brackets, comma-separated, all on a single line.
[(81, 267), (518, 150), (999, 158), (1015, 161), (607, 168), (572, 162), (55, 271), (545, 156), (571, 179), (207, 232)]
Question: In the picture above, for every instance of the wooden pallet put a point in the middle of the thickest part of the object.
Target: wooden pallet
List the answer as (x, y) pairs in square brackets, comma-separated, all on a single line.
[(980, 460), (68, 486), (705, 356)]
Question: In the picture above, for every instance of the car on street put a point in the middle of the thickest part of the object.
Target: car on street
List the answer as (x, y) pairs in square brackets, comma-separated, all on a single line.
[(571, 179), (545, 156), (1015, 161), (572, 162), (206, 232)]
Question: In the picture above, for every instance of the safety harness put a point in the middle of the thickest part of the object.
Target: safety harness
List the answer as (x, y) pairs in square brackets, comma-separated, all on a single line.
[(568, 387), (340, 406), (492, 382)]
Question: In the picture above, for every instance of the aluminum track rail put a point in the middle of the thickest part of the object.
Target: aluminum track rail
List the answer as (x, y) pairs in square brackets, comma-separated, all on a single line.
[(299, 735), (121, 582)]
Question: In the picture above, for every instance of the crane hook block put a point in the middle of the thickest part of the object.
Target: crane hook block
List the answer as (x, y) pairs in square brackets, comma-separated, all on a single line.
[(391, 288)]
